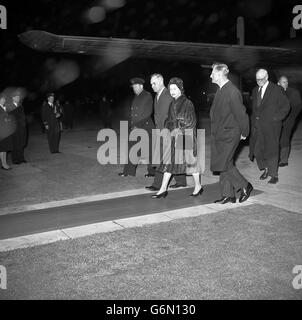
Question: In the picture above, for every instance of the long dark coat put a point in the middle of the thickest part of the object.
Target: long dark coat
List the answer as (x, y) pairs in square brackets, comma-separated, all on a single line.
[(294, 98), (20, 135), (181, 116), (141, 116), (229, 121), (6, 144), (141, 111), (48, 117), (161, 108), (266, 121)]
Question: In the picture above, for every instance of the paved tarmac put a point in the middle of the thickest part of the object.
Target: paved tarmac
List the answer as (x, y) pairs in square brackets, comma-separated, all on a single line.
[(74, 177)]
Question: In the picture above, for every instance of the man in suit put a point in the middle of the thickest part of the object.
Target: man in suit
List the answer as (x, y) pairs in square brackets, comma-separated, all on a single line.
[(270, 107), (229, 125), (162, 103), (289, 122), (20, 135), (50, 114), (141, 112)]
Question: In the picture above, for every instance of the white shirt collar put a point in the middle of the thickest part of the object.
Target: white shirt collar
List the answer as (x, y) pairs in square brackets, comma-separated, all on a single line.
[(263, 88)]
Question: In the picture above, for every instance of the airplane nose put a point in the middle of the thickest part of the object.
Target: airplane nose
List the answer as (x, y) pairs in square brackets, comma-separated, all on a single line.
[(38, 40)]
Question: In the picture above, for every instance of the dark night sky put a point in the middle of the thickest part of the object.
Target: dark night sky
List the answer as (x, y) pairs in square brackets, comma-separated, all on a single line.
[(266, 22)]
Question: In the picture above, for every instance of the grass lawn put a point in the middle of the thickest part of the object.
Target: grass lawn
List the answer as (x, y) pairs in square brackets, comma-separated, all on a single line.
[(242, 253)]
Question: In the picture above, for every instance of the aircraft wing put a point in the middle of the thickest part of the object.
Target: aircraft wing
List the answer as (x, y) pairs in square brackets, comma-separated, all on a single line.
[(238, 57)]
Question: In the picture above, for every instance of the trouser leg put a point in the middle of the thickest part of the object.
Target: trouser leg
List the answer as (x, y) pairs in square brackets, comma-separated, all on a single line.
[(284, 154), (53, 137), (17, 155), (226, 188), (237, 179), (130, 169), (272, 165)]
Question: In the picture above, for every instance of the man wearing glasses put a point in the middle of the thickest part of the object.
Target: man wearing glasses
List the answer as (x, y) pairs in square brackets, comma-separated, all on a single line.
[(270, 107)]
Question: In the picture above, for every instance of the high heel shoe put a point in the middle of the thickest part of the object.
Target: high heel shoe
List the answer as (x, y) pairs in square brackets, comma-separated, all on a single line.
[(199, 193), (9, 168), (161, 195)]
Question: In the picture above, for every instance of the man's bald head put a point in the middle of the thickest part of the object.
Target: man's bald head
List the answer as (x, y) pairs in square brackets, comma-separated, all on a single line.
[(261, 77), (283, 82)]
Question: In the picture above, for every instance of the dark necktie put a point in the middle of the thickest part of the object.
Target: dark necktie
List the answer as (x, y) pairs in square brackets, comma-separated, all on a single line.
[(259, 98)]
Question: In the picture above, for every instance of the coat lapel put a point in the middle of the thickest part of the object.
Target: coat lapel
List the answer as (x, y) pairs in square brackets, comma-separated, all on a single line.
[(267, 94)]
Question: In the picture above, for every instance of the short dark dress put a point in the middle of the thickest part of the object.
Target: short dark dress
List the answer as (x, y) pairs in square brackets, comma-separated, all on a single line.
[(7, 143), (181, 116)]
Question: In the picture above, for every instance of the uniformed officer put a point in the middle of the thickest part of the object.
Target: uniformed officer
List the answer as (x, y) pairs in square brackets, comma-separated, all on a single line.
[(141, 112), (50, 114)]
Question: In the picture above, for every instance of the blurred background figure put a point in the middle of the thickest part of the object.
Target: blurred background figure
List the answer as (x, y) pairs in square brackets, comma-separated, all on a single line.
[(20, 135), (58, 110), (67, 115), (105, 111), (6, 141), (50, 115), (293, 95)]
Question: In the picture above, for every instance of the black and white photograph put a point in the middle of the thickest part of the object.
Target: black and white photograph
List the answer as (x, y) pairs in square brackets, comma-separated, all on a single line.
[(151, 153)]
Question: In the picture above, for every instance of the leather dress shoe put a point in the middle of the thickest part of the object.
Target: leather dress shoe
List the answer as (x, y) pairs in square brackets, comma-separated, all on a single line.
[(273, 180), (151, 188), (199, 193), (148, 175), (245, 193), (177, 185), (264, 174), (283, 164), (122, 174), (224, 200), (161, 195)]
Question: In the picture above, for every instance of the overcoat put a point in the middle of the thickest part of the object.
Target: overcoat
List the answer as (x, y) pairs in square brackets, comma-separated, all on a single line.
[(229, 121), (180, 150), (266, 121), (294, 99), (161, 109), (20, 135)]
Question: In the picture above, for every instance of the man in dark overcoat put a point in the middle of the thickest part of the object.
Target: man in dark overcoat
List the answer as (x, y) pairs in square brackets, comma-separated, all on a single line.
[(20, 135), (270, 107), (294, 98), (162, 102), (229, 125), (141, 118), (50, 114)]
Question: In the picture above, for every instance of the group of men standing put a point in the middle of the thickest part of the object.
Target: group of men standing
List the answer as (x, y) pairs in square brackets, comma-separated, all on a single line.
[(142, 109), (15, 122), (274, 118), (274, 112)]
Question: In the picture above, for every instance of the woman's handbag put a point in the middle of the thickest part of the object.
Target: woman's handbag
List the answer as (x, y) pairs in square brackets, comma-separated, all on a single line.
[(8, 125)]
